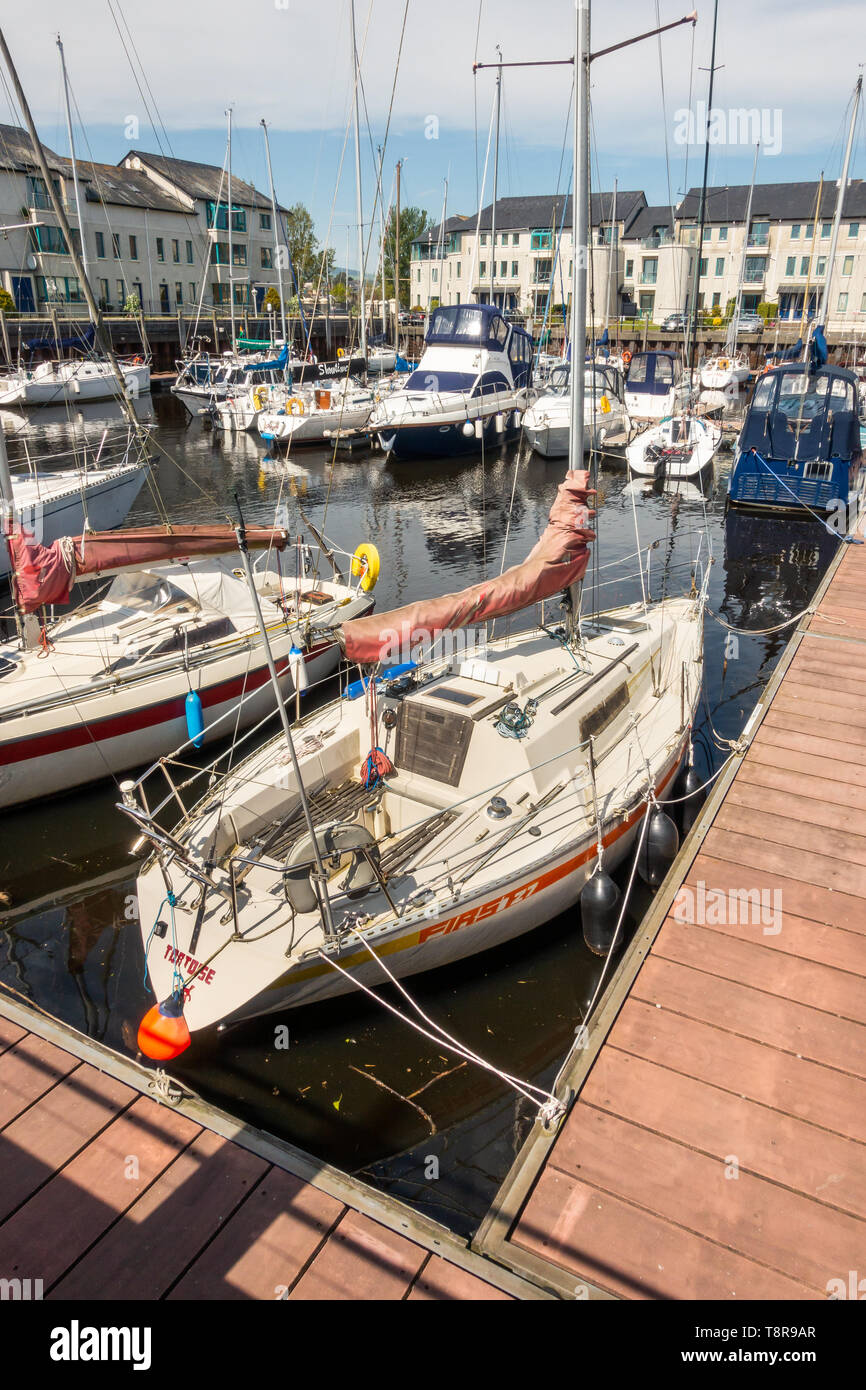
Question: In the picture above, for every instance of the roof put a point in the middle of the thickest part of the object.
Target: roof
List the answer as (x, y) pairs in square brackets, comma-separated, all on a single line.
[(542, 210), (776, 202), (17, 152), (198, 180), (647, 219), (105, 183)]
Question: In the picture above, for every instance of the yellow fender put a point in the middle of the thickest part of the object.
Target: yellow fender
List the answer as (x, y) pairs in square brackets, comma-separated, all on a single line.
[(605, 405), (365, 562), (260, 396)]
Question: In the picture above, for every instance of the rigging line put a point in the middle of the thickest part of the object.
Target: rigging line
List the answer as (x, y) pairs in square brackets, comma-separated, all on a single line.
[(664, 105), (475, 98)]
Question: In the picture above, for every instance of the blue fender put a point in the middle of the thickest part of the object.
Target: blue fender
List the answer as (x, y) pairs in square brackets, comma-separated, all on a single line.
[(195, 719)]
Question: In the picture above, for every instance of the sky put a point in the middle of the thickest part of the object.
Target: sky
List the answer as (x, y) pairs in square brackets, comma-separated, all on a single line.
[(289, 62)]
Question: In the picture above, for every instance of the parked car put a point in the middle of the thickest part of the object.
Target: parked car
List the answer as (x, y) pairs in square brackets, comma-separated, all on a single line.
[(675, 323), (751, 323), (404, 316), (417, 318)]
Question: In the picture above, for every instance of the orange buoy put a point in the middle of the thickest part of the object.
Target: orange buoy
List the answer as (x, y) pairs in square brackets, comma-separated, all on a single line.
[(163, 1033)]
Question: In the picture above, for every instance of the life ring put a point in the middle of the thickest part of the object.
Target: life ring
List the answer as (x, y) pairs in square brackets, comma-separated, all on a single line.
[(295, 406), (365, 562), (626, 358), (137, 361), (341, 352), (260, 396)]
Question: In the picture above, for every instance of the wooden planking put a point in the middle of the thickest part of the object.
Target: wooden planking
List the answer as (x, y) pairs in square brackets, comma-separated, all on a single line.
[(10, 1034), (819, 870), (818, 904), (632, 1252), (265, 1244), (771, 773), (797, 936), (823, 1096), (88, 1194), (39, 1142), (795, 822), (781, 748), (361, 1260), (164, 1230), (440, 1280), (781, 1148), (780, 1229), (796, 1028), (837, 992), (30, 1068)]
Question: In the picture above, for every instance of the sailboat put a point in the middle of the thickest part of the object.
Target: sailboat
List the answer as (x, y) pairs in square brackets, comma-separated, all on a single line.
[(171, 649), (464, 797), (606, 423)]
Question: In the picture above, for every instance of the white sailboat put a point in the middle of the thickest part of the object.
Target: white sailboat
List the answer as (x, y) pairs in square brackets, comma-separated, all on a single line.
[(546, 423), (459, 807)]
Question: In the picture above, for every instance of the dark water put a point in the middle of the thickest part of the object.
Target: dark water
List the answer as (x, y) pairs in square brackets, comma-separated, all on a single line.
[(354, 1085)]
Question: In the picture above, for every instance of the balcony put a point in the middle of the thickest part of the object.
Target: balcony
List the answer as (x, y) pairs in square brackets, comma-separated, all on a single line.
[(648, 278), (759, 241), (754, 277), (652, 243)]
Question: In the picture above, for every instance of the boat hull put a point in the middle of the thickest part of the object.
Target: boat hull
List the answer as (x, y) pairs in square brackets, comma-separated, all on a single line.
[(102, 505)]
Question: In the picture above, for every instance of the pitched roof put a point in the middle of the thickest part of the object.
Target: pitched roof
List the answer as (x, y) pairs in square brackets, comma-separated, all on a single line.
[(543, 210), (105, 183), (776, 202), (198, 180), (17, 152), (647, 220)]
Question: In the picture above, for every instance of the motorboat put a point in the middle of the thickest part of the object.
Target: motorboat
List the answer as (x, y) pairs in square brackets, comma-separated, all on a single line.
[(470, 387), (547, 422), (655, 385)]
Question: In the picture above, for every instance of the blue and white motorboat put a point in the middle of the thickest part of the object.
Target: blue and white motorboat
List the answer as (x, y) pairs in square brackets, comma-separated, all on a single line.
[(471, 386), (800, 447)]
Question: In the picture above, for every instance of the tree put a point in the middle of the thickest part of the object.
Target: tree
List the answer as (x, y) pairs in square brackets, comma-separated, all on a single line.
[(7, 303), (304, 249), (414, 222), (272, 300)]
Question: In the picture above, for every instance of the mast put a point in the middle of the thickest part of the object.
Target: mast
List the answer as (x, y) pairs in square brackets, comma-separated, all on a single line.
[(735, 322), (231, 242), (103, 339), (610, 257), (703, 209), (277, 248), (579, 230), (397, 260), (824, 305), (495, 177), (72, 156), (362, 309), (384, 234)]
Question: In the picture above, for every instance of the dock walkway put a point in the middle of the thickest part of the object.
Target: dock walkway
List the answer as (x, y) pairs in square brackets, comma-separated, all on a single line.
[(717, 1146), (107, 1194)]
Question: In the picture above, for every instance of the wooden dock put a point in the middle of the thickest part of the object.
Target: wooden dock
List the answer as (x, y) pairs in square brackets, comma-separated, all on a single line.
[(107, 1194), (717, 1145)]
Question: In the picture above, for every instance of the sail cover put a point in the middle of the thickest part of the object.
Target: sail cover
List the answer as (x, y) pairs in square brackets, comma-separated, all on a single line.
[(558, 559), (44, 574)]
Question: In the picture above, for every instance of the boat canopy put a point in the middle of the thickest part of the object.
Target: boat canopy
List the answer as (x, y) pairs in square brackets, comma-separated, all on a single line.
[(468, 325), (653, 372), (81, 338), (275, 366), (801, 414), (558, 559)]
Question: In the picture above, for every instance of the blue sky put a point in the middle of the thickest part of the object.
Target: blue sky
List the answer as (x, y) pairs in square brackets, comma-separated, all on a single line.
[(289, 61)]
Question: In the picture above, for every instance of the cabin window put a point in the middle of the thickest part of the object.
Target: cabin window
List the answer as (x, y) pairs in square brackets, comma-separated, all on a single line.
[(764, 393), (817, 470), (664, 371), (490, 383), (498, 330), (638, 369), (440, 381)]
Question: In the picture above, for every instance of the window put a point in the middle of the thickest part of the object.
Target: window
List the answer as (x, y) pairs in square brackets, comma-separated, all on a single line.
[(795, 232), (267, 257), (646, 303), (708, 234), (717, 299), (239, 255), (759, 234), (434, 274), (753, 270), (458, 272), (50, 240), (218, 217), (192, 295), (723, 234), (848, 265), (826, 229), (220, 293), (629, 269), (515, 239), (483, 238), (540, 239), (264, 221), (790, 266), (100, 248), (482, 269), (820, 265), (104, 293), (853, 228), (160, 249), (503, 270), (863, 305), (720, 265), (702, 267), (804, 265), (649, 270), (178, 292), (189, 253), (514, 270), (115, 246), (175, 250), (121, 291), (842, 304), (810, 230)]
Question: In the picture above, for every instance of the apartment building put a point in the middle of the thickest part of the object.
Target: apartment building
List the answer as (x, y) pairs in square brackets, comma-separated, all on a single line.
[(643, 257), (153, 227)]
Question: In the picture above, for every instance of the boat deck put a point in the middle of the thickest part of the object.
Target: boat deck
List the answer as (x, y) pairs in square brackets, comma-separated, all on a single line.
[(716, 1147), (107, 1194)]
